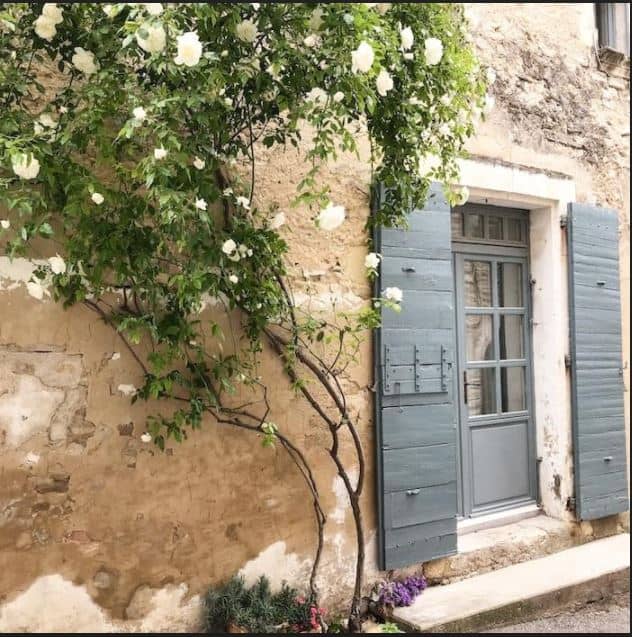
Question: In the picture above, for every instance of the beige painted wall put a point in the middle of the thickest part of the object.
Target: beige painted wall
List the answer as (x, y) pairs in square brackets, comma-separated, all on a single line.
[(113, 534)]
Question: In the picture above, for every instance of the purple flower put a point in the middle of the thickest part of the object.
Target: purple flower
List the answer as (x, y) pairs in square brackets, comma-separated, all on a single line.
[(402, 593)]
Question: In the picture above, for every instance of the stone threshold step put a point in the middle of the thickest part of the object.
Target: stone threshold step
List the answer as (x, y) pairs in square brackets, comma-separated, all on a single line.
[(521, 591)]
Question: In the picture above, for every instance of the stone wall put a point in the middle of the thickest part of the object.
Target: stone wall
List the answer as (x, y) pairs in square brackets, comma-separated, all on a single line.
[(99, 531)]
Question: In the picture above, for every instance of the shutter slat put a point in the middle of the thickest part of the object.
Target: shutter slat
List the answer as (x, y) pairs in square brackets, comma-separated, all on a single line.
[(415, 413), (597, 384)]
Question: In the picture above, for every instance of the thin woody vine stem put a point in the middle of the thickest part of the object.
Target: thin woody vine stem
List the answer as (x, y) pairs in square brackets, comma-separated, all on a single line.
[(295, 454)]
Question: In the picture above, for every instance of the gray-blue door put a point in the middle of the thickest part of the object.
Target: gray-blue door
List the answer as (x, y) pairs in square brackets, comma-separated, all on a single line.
[(494, 372)]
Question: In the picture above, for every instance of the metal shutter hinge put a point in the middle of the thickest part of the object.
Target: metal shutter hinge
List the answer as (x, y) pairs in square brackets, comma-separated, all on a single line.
[(568, 362), (563, 221), (571, 504)]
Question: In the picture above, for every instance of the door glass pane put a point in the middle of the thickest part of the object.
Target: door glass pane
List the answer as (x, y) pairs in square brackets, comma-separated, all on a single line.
[(512, 382), (473, 226), (510, 285), (515, 230), (511, 336), (478, 283), (481, 391), (495, 228), (478, 337)]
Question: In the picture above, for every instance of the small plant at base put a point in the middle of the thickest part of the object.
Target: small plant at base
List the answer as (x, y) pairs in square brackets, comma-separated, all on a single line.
[(257, 609), (389, 627)]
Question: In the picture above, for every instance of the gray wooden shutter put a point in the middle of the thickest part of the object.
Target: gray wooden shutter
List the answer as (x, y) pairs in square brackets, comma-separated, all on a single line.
[(601, 486), (415, 411)]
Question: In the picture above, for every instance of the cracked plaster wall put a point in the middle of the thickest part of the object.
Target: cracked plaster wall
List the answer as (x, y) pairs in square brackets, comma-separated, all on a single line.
[(116, 536)]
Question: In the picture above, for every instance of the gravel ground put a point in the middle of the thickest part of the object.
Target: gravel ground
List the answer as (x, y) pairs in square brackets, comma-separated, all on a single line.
[(612, 616)]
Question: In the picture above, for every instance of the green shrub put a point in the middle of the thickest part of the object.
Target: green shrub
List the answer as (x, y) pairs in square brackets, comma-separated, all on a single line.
[(257, 609)]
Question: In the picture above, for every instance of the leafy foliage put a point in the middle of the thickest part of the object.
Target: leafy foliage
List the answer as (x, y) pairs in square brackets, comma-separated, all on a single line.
[(145, 156)]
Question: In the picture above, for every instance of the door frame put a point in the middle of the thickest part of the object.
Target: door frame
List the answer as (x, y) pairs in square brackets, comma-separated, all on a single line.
[(460, 250)]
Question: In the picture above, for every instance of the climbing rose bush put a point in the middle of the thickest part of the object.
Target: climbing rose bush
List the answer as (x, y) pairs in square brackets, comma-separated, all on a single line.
[(129, 135), (129, 138)]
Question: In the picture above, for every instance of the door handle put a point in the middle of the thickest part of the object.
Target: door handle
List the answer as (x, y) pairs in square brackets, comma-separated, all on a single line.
[(413, 492), (410, 269), (465, 384)]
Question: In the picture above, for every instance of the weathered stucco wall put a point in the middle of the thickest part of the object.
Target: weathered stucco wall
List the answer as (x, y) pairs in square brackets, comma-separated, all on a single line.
[(99, 531)]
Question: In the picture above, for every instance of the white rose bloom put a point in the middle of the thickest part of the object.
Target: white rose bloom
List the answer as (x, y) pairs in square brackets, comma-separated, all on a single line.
[(490, 102), (277, 221), (408, 39), (139, 114), (229, 247), (189, 49), (490, 74), (47, 120), (394, 294), (155, 40), (338, 97), (433, 51), (383, 7), (201, 204), (98, 198), (362, 58), (445, 130), (330, 217), (317, 95), (146, 438), (38, 129), (153, 8), (244, 202), (24, 167), (35, 289), (316, 19), (233, 278), (462, 196), (160, 153), (45, 28), (312, 41), (84, 61), (409, 56), (372, 260), (384, 82), (199, 163), (246, 31), (57, 265), (5, 224), (53, 12), (108, 9), (428, 163)]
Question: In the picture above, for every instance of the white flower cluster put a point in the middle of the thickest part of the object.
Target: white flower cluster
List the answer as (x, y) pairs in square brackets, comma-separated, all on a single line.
[(372, 261), (395, 295), (331, 217), (189, 49), (84, 61), (151, 38), (25, 167), (46, 23)]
